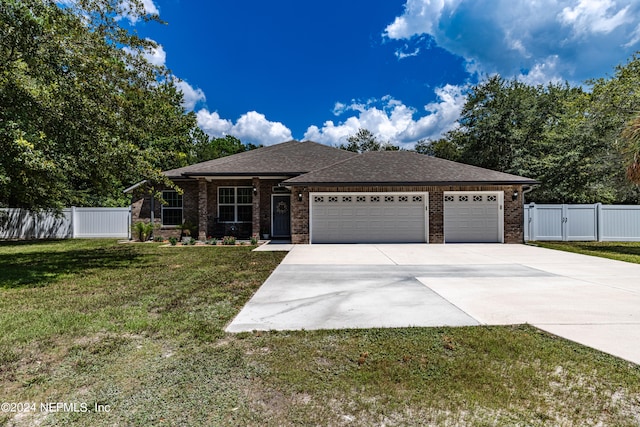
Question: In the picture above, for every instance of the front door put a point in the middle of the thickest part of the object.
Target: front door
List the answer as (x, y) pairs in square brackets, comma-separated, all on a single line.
[(281, 215)]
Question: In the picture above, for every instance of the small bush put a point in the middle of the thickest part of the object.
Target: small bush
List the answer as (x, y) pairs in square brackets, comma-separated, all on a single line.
[(173, 241), (143, 230), (192, 241), (254, 239), (229, 240), (212, 241), (159, 239)]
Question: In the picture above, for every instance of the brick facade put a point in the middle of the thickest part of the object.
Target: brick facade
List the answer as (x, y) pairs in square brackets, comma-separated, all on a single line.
[(513, 209), (200, 207)]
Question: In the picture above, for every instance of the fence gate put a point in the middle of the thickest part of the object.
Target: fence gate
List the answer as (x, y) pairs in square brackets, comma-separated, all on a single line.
[(582, 222)]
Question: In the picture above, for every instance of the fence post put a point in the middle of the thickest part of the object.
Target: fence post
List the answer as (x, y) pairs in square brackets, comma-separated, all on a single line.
[(73, 222), (599, 222), (532, 221)]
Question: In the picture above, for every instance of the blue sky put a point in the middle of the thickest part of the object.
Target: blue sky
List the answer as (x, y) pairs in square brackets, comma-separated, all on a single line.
[(271, 71)]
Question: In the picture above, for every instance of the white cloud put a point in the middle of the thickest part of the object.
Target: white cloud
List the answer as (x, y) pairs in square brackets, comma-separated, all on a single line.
[(213, 124), (133, 14), (390, 120), (251, 127), (402, 52), (155, 55), (594, 16), (191, 96), (542, 40), (420, 17), (542, 72)]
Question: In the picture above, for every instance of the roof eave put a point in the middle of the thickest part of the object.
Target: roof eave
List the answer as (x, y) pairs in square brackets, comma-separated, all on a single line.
[(408, 183), (134, 186), (204, 174)]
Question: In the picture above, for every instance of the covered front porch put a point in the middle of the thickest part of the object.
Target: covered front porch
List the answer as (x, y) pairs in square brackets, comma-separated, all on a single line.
[(242, 208)]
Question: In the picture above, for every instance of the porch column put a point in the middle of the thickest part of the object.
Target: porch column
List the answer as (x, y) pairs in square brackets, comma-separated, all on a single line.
[(203, 214), (255, 229)]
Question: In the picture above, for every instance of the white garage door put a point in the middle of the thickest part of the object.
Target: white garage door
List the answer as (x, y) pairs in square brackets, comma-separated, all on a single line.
[(474, 217), (368, 217)]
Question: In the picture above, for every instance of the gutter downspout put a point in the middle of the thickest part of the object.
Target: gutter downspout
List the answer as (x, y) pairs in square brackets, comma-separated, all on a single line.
[(525, 190)]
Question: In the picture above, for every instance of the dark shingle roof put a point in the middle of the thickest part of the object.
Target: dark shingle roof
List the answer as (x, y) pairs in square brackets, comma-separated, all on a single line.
[(288, 158), (403, 167)]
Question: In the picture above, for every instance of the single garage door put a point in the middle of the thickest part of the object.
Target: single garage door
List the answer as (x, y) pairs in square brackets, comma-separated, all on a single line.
[(473, 217), (368, 217)]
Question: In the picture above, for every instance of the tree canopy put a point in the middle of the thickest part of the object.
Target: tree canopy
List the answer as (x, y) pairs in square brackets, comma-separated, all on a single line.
[(364, 140), (82, 112), (206, 148), (569, 139)]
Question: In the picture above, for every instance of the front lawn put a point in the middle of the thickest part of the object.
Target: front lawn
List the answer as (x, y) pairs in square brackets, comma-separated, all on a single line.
[(134, 332), (621, 251)]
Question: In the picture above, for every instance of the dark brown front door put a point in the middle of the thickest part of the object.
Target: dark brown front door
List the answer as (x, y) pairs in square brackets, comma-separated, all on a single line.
[(281, 216)]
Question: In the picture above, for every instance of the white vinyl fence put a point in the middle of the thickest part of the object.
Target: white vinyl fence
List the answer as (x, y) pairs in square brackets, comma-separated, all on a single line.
[(598, 222), (72, 223)]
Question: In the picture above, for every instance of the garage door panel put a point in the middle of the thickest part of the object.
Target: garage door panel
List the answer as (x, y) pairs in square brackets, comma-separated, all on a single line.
[(368, 218), (472, 218)]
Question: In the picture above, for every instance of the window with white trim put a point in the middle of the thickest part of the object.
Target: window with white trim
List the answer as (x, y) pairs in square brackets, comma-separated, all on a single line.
[(172, 210), (235, 204)]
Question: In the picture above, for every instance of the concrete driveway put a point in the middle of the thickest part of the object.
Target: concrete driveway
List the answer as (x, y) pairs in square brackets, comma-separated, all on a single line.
[(593, 301)]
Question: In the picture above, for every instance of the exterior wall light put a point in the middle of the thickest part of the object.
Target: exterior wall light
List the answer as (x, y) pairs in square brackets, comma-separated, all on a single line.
[(514, 196), (300, 196), (255, 190)]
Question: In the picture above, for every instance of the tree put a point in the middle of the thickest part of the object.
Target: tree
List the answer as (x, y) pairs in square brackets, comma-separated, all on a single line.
[(82, 112), (206, 148), (364, 140), (443, 148), (556, 134), (631, 135), (614, 118)]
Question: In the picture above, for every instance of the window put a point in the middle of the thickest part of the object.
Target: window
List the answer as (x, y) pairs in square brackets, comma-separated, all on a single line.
[(172, 211), (235, 204)]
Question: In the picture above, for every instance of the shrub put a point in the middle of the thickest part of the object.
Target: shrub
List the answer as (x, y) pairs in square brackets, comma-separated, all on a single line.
[(212, 241), (173, 241), (187, 229), (192, 241), (254, 239), (159, 239), (228, 240), (143, 230)]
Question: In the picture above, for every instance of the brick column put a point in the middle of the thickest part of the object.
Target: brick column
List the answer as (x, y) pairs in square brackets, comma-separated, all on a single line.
[(203, 213), (300, 216), (255, 228), (436, 216), (513, 215)]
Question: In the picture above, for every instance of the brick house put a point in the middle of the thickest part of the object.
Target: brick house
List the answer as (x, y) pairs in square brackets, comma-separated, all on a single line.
[(312, 193)]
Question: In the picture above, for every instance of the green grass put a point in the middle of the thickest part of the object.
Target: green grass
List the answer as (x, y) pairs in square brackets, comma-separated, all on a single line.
[(621, 251), (138, 329)]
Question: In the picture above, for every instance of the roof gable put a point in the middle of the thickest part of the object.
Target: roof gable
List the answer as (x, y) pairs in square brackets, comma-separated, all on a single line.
[(403, 167)]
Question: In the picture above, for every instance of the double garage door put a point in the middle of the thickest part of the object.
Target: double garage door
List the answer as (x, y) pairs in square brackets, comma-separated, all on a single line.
[(402, 217)]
